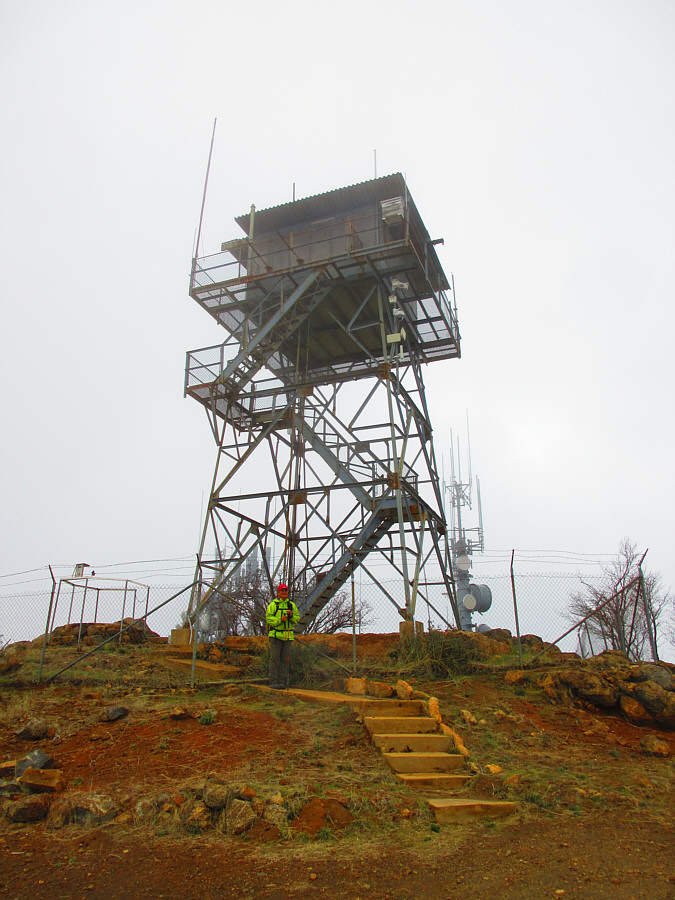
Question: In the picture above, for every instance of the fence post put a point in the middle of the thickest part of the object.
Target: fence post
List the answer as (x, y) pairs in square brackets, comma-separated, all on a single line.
[(647, 608), (49, 615), (515, 610), (196, 623)]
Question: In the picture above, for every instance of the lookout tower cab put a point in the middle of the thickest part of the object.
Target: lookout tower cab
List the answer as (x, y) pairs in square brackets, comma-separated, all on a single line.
[(341, 245)]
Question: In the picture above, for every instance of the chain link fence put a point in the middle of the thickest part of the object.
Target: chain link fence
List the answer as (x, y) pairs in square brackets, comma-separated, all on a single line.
[(540, 599)]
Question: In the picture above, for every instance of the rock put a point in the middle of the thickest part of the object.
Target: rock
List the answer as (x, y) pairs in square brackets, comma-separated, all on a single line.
[(656, 673), (403, 690), (434, 709), (114, 713), (590, 687), (633, 710), (493, 770), (276, 799), (380, 689), (81, 809), (240, 816), (43, 781), (468, 717), (32, 809), (275, 815), (514, 676), (8, 768), (195, 815), (356, 685), (35, 730), (180, 712), (456, 739), (144, 810), (512, 780), (217, 796), (653, 746), (37, 759), (499, 634), (11, 789), (658, 702), (420, 695)]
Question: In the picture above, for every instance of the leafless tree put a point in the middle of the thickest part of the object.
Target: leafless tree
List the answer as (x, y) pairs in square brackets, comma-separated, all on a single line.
[(635, 606), (239, 607)]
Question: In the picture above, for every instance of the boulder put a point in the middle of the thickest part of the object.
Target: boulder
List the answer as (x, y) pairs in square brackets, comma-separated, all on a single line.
[(434, 709), (590, 687), (275, 815), (240, 816), (356, 685), (43, 781), (114, 713), (514, 676), (403, 690), (659, 703), (468, 717), (195, 815), (380, 690), (499, 634), (633, 710), (11, 789), (656, 673), (37, 759), (32, 809), (217, 796), (34, 730), (654, 746), (8, 768), (81, 809), (456, 740)]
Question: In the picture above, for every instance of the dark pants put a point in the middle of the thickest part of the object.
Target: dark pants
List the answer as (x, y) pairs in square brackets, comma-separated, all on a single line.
[(280, 658)]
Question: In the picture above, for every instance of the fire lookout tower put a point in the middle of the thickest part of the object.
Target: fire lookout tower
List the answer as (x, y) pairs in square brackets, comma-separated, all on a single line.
[(325, 460)]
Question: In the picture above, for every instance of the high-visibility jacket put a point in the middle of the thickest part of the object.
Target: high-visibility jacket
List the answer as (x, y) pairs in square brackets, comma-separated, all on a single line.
[(279, 628)]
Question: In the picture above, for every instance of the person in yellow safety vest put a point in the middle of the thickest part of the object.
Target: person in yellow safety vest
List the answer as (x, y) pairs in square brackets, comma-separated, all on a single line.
[(282, 614)]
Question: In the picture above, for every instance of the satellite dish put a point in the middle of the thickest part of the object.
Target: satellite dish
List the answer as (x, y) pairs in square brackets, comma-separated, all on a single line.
[(463, 563), (469, 601), (482, 595)]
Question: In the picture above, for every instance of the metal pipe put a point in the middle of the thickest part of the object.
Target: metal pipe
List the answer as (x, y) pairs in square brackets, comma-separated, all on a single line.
[(84, 600), (49, 614), (353, 626), (515, 611)]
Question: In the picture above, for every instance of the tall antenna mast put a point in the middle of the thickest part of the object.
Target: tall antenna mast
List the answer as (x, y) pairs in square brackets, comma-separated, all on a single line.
[(206, 183)]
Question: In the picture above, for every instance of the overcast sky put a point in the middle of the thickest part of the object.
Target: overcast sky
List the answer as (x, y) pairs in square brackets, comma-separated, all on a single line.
[(537, 139)]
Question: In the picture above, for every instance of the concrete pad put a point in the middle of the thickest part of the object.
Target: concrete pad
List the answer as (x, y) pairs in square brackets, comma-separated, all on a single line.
[(413, 743), (420, 763), (433, 782), (399, 725), (388, 707), (460, 810)]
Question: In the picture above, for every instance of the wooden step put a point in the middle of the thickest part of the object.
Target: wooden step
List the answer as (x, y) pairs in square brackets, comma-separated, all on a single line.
[(428, 781), (400, 724), (413, 743), (388, 707), (421, 763), (461, 810)]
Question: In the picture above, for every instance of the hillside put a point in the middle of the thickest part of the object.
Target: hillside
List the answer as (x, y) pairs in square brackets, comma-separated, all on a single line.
[(154, 776)]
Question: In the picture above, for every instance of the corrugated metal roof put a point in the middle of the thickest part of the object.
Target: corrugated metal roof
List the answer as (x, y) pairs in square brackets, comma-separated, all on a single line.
[(319, 206)]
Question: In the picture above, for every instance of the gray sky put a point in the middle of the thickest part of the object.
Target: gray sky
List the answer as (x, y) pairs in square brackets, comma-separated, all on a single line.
[(537, 138)]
